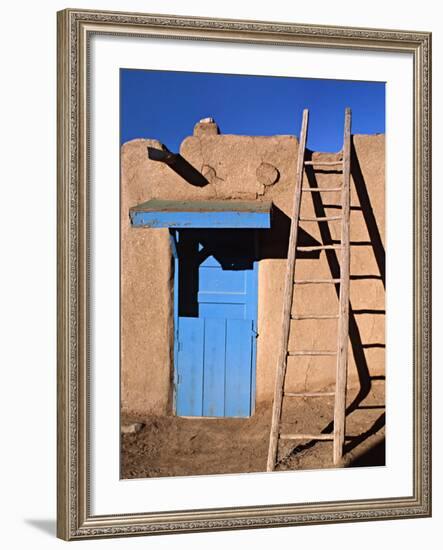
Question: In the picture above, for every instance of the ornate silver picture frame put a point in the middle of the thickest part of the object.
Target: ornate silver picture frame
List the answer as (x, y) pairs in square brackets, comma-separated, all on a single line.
[(76, 517)]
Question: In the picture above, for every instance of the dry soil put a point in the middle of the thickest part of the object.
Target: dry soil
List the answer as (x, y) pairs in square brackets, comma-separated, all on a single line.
[(177, 446)]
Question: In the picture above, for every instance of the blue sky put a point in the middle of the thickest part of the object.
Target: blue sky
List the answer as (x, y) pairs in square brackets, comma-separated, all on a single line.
[(165, 105)]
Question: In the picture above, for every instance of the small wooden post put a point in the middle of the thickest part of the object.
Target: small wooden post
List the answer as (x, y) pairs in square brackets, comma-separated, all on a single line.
[(343, 322), (287, 301)]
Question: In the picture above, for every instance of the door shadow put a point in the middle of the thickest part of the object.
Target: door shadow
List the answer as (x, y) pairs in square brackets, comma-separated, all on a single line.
[(234, 250)]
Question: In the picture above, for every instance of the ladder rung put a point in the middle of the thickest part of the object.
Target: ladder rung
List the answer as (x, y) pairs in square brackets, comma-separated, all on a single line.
[(315, 281), (323, 162), (327, 437), (320, 247), (321, 219), (321, 189), (301, 317), (311, 352), (309, 394)]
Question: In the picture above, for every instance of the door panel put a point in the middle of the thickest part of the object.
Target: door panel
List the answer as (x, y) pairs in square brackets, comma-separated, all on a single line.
[(224, 311), (214, 367), (238, 375), (217, 286), (221, 297), (190, 367), (213, 278)]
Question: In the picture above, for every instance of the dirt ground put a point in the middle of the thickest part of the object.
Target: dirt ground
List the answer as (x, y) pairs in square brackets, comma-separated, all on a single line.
[(176, 446)]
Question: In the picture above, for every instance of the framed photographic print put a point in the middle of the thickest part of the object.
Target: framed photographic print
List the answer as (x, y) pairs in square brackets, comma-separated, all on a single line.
[(243, 285)]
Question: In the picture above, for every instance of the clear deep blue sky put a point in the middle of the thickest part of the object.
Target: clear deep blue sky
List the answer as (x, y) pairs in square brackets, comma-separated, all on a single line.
[(165, 105)]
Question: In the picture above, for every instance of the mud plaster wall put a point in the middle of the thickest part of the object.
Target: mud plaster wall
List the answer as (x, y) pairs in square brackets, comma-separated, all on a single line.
[(242, 167)]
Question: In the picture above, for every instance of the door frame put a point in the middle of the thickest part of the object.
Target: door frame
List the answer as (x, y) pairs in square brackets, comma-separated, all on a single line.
[(174, 238)]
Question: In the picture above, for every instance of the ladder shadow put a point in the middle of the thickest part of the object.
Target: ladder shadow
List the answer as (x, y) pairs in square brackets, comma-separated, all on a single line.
[(374, 456), (356, 441), (274, 242), (357, 345)]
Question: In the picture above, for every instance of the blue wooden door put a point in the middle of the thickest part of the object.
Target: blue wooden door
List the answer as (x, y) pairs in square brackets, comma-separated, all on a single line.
[(216, 323)]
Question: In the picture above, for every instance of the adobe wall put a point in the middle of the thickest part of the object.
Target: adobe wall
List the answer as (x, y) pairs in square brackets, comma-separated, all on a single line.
[(244, 167)]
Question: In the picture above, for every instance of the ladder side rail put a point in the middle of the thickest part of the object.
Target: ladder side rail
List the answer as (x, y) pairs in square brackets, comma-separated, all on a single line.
[(287, 300), (343, 322)]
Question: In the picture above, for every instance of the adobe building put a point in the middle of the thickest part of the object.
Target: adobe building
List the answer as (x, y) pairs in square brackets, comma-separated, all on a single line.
[(202, 282)]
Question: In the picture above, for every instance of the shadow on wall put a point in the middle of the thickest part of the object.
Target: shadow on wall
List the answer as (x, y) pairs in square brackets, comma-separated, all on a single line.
[(178, 164), (358, 346), (233, 250), (274, 241)]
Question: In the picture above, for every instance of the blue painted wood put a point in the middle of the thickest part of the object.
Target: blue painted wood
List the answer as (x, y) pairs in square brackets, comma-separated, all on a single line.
[(221, 297), (201, 220), (176, 339), (223, 311), (173, 242), (252, 312), (214, 367), (213, 278), (174, 237), (225, 289), (216, 283), (189, 400), (239, 367)]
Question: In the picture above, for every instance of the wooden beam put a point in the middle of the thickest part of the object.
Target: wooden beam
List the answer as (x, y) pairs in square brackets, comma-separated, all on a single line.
[(316, 281), (313, 316), (320, 247), (321, 189), (323, 162), (343, 322), (287, 300), (309, 394), (320, 219), (310, 352), (308, 437)]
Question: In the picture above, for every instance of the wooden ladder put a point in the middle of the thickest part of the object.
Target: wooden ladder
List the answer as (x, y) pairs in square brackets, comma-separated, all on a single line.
[(341, 353)]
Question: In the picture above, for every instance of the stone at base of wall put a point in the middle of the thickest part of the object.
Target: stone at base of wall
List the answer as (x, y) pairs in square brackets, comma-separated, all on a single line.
[(131, 428)]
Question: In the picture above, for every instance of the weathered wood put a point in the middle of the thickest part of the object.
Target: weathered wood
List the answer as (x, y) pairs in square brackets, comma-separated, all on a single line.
[(316, 281), (323, 162), (309, 394), (310, 352), (343, 322), (320, 219), (319, 437), (287, 301), (201, 214), (320, 247), (338, 435), (313, 316), (321, 189)]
